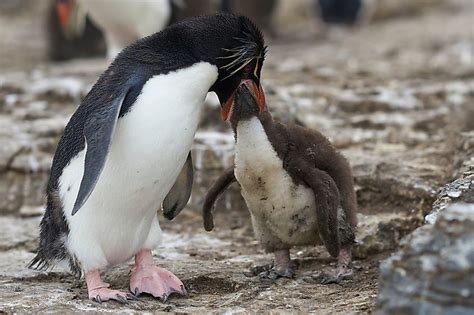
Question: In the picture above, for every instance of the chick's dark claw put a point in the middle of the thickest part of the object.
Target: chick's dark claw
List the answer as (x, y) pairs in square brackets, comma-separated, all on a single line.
[(258, 270), (284, 271), (335, 276), (276, 273), (342, 272), (283, 266)]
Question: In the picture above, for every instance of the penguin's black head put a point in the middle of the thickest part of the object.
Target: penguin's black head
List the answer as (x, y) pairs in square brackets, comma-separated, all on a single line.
[(233, 44), (240, 62)]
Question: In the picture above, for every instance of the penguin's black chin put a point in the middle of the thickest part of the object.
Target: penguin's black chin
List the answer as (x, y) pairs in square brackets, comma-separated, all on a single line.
[(255, 90)]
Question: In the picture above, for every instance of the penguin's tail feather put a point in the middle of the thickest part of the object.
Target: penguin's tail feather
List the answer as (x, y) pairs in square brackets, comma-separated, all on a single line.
[(53, 233), (40, 263)]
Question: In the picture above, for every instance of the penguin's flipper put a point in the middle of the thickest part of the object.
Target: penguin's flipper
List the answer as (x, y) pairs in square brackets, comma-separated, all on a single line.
[(98, 131), (179, 194), (219, 187), (326, 195)]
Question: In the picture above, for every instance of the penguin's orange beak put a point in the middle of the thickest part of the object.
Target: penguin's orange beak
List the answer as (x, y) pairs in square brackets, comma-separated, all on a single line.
[(64, 9), (256, 91), (72, 18)]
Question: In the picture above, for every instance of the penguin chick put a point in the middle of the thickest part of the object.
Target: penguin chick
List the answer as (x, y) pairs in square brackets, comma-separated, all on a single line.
[(298, 188)]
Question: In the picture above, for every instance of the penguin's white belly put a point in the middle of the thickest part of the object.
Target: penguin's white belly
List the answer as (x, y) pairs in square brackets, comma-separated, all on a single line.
[(148, 150), (276, 203)]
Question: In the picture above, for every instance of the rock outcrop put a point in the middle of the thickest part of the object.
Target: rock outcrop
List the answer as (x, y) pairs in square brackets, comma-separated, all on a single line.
[(433, 272), (461, 189)]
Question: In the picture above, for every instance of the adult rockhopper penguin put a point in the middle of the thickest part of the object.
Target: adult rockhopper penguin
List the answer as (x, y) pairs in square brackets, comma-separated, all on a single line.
[(298, 188), (126, 150)]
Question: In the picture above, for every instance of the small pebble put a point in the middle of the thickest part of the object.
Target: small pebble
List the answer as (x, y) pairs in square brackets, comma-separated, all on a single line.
[(454, 194)]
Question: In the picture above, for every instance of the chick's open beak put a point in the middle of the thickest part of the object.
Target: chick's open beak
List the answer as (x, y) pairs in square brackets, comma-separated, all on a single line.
[(256, 91)]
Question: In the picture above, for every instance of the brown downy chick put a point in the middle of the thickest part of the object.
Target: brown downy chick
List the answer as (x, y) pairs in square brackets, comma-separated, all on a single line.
[(298, 188)]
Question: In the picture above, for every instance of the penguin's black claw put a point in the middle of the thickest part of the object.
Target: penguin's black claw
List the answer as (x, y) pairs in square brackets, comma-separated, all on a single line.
[(136, 293), (326, 279), (183, 290), (164, 298), (131, 297), (268, 275), (98, 299), (271, 272), (284, 272), (274, 274), (121, 299)]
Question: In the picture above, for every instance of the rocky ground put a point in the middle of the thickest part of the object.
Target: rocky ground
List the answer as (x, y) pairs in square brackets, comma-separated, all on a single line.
[(396, 97)]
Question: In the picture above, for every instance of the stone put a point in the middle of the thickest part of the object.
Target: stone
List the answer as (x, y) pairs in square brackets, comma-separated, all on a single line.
[(377, 233), (433, 272), (18, 233), (462, 188), (25, 161), (28, 138)]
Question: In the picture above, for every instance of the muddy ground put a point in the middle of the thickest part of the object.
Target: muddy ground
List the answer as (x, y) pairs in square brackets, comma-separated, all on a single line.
[(394, 96)]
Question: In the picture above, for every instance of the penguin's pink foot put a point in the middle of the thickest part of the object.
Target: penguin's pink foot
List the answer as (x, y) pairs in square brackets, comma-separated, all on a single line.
[(148, 278), (99, 291)]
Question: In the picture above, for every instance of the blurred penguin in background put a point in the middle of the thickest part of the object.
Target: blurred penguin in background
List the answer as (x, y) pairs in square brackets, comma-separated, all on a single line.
[(344, 12), (78, 28), (63, 46), (122, 21)]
